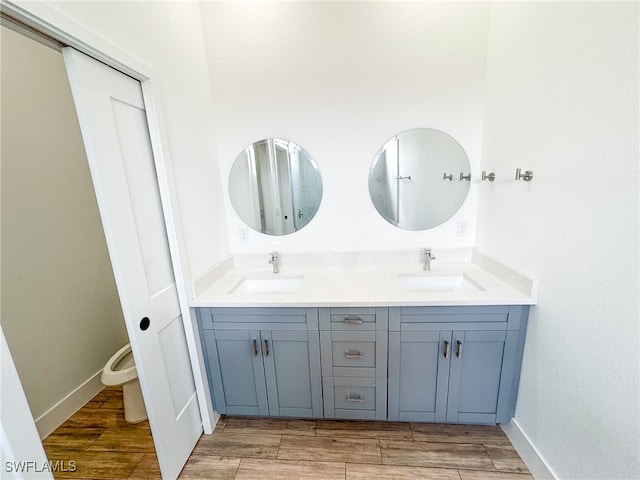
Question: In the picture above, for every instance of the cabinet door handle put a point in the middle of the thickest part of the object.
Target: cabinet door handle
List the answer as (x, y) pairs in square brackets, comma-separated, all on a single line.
[(459, 349), (447, 349), (355, 355), (254, 346), (354, 398), (265, 347), (353, 320)]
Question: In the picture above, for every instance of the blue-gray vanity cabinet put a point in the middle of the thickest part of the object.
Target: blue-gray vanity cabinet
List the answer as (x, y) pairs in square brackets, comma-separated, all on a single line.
[(455, 364), (263, 361)]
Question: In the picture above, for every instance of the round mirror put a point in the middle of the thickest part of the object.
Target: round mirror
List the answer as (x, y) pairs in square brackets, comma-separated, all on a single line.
[(275, 186), (419, 179)]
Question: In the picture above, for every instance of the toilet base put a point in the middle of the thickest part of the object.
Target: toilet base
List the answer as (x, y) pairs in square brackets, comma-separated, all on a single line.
[(134, 409)]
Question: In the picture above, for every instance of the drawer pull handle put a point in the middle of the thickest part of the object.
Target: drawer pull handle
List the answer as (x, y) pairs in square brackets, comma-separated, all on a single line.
[(353, 320), (459, 349), (354, 355), (265, 347), (447, 349), (254, 345), (354, 398)]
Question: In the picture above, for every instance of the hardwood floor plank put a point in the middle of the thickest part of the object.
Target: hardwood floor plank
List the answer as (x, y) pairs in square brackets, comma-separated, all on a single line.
[(108, 398), (106, 465), (505, 458), (102, 418), (238, 445), (147, 468), (438, 432), (432, 454), (69, 438), (104, 395), (206, 467), (398, 472), (93, 404), (93, 418), (363, 429), (259, 469), (273, 426), (329, 449), (124, 440), (477, 475)]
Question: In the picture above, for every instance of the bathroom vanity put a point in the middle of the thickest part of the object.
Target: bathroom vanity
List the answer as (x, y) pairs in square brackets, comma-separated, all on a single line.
[(367, 340), (263, 361)]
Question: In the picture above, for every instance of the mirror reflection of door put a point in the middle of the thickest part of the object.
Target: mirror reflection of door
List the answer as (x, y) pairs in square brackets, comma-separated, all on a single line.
[(275, 187), (284, 194)]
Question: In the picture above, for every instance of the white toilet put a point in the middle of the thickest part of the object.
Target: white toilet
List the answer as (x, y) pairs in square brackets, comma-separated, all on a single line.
[(121, 370)]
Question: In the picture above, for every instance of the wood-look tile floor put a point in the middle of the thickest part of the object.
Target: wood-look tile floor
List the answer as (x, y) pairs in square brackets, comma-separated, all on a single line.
[(104, 446)]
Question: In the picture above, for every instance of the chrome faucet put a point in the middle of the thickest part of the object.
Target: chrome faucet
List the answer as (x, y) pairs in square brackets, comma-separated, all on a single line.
[(274, 261), (427, 259)]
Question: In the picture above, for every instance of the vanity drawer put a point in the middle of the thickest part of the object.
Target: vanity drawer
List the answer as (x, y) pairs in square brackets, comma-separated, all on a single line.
[(355, 398), (353, 318), (354, 354)]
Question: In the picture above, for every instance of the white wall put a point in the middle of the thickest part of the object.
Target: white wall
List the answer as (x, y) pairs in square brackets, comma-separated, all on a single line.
[(60, 308), (563, 101), (340, 79), (168, 37)]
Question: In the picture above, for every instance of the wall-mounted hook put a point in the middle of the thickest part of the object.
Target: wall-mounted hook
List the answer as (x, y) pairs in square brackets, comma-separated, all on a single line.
[(447, 177), (408, 177), (465, 177), (526, 176), (491, 176)]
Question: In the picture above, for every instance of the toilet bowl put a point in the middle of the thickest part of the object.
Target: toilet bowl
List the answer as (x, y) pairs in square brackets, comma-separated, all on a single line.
[(121, 370)]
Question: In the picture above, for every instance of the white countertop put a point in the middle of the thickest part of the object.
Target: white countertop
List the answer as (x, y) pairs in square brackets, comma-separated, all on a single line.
[(330, 283)]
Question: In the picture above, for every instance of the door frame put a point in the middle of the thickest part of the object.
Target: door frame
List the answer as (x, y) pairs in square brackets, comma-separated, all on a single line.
[(46, 19)]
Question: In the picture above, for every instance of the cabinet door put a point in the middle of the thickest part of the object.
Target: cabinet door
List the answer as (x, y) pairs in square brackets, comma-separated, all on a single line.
[(237, 374), (418, 375), (474, 382), (292, 371)]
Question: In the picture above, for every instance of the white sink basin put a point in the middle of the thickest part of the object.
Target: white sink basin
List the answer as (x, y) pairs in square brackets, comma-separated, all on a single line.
[(438, 282), (273, 284)]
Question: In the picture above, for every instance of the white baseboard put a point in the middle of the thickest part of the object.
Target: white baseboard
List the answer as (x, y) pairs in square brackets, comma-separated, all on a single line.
[(529, 454), (61, 411)]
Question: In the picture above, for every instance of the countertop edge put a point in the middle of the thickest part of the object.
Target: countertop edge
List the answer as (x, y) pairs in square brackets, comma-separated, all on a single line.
[(421, 303)]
